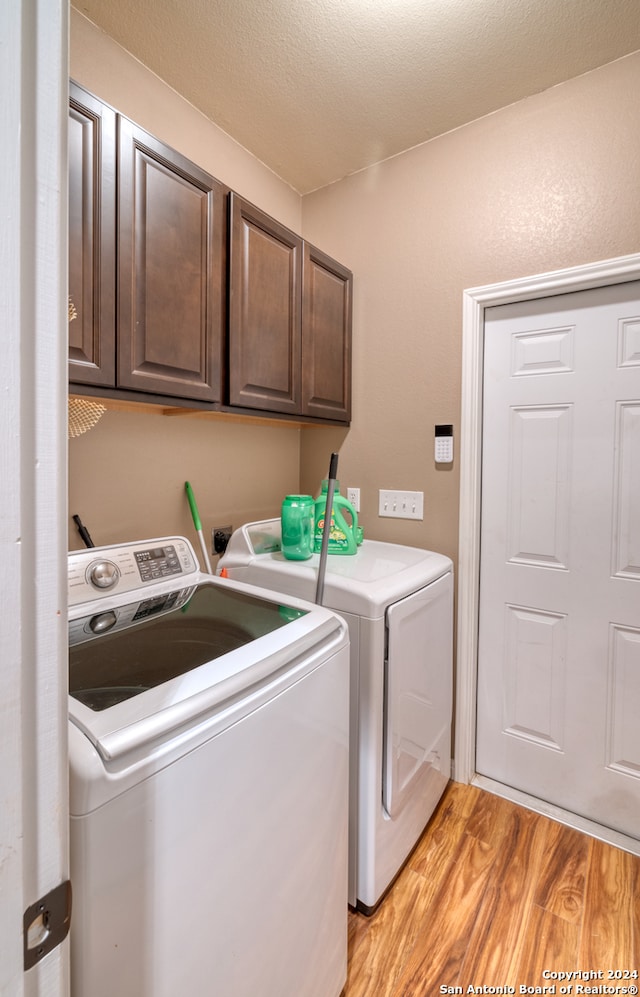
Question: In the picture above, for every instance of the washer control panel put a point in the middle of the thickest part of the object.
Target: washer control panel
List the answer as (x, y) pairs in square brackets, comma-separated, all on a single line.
[(102, 571), (159, 562)]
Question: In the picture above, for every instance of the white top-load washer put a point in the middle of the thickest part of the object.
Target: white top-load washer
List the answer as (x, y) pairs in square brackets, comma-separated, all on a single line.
[(208, 743), (398, 604)]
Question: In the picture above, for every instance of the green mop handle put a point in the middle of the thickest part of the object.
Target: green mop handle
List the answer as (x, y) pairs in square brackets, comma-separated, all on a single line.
[(197, 524)]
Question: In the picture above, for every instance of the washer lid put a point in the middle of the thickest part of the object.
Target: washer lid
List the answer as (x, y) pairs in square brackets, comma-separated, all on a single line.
[(364, 583), (141, 670)]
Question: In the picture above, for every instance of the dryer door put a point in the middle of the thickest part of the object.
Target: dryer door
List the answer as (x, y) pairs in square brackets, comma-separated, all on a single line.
[(418, 691)]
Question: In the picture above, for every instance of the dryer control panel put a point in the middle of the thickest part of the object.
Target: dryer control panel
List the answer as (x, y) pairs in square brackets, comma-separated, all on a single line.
[(102, 571)]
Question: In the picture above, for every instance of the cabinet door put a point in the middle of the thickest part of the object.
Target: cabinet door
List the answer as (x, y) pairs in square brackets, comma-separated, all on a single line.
[(171, 244), (326, 337), (418, 684), (264, 312), (92, 239)]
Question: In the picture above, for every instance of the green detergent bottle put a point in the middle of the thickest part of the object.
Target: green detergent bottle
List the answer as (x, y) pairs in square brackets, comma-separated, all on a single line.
[(343, 532)]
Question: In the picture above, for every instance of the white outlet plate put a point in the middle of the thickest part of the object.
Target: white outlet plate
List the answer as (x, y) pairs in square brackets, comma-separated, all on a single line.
[(353, 496), (401, 505)]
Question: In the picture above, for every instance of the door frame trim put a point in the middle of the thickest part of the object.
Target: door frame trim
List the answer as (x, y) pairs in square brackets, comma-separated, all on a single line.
[(475, 301)]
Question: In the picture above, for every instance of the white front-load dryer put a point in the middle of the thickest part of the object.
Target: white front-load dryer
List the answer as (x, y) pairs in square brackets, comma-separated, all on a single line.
[(398, 604)]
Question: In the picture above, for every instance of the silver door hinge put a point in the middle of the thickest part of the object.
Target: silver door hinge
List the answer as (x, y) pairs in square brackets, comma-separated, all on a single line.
[(46, 924)]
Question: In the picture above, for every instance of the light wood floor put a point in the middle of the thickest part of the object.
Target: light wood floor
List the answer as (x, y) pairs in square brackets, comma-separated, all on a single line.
[(493, 896)]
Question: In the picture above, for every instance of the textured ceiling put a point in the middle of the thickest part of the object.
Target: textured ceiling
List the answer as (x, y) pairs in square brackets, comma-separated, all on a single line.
[(318, 89)]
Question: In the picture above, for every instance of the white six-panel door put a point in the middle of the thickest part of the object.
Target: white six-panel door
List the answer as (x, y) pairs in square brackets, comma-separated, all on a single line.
[(558, 700)]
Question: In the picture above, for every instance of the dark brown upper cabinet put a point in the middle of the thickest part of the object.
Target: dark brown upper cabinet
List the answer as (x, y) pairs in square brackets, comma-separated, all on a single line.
[(179, 289), (265, 308), (290, 310), (327, 292), (171, 265), (92, 239)]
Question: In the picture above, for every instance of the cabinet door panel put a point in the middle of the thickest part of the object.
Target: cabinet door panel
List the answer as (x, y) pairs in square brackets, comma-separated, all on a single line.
[(92, 239), (326, 337), (264, 312), (171, 259)]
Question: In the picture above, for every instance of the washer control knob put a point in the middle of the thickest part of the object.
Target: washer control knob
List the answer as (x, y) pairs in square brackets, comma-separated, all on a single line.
[(103, 574), (102, 622)]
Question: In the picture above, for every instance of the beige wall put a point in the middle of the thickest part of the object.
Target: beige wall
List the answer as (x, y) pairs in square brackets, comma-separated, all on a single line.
[(127, 475), (545, 184), (104, 68)]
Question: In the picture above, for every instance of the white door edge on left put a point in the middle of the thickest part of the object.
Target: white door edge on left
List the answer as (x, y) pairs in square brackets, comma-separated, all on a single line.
[(33, 481)]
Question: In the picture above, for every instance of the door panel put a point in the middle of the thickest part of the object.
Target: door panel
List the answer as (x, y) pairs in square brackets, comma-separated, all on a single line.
[(92, 239), (559, 635), (535, 644), (626, 560), (171, 262), (418, 689), (623, 729), (326, 337), (265, 302), (538, 509)]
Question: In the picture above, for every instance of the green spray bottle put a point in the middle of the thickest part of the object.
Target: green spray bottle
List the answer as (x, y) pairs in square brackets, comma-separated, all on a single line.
[(343, 532)]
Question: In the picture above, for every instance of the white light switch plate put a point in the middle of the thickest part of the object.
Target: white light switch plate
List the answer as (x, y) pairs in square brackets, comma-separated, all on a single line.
[(401, 505)]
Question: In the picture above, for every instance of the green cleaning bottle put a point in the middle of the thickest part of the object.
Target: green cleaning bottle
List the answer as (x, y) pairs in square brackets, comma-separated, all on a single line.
[(343, 532)]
